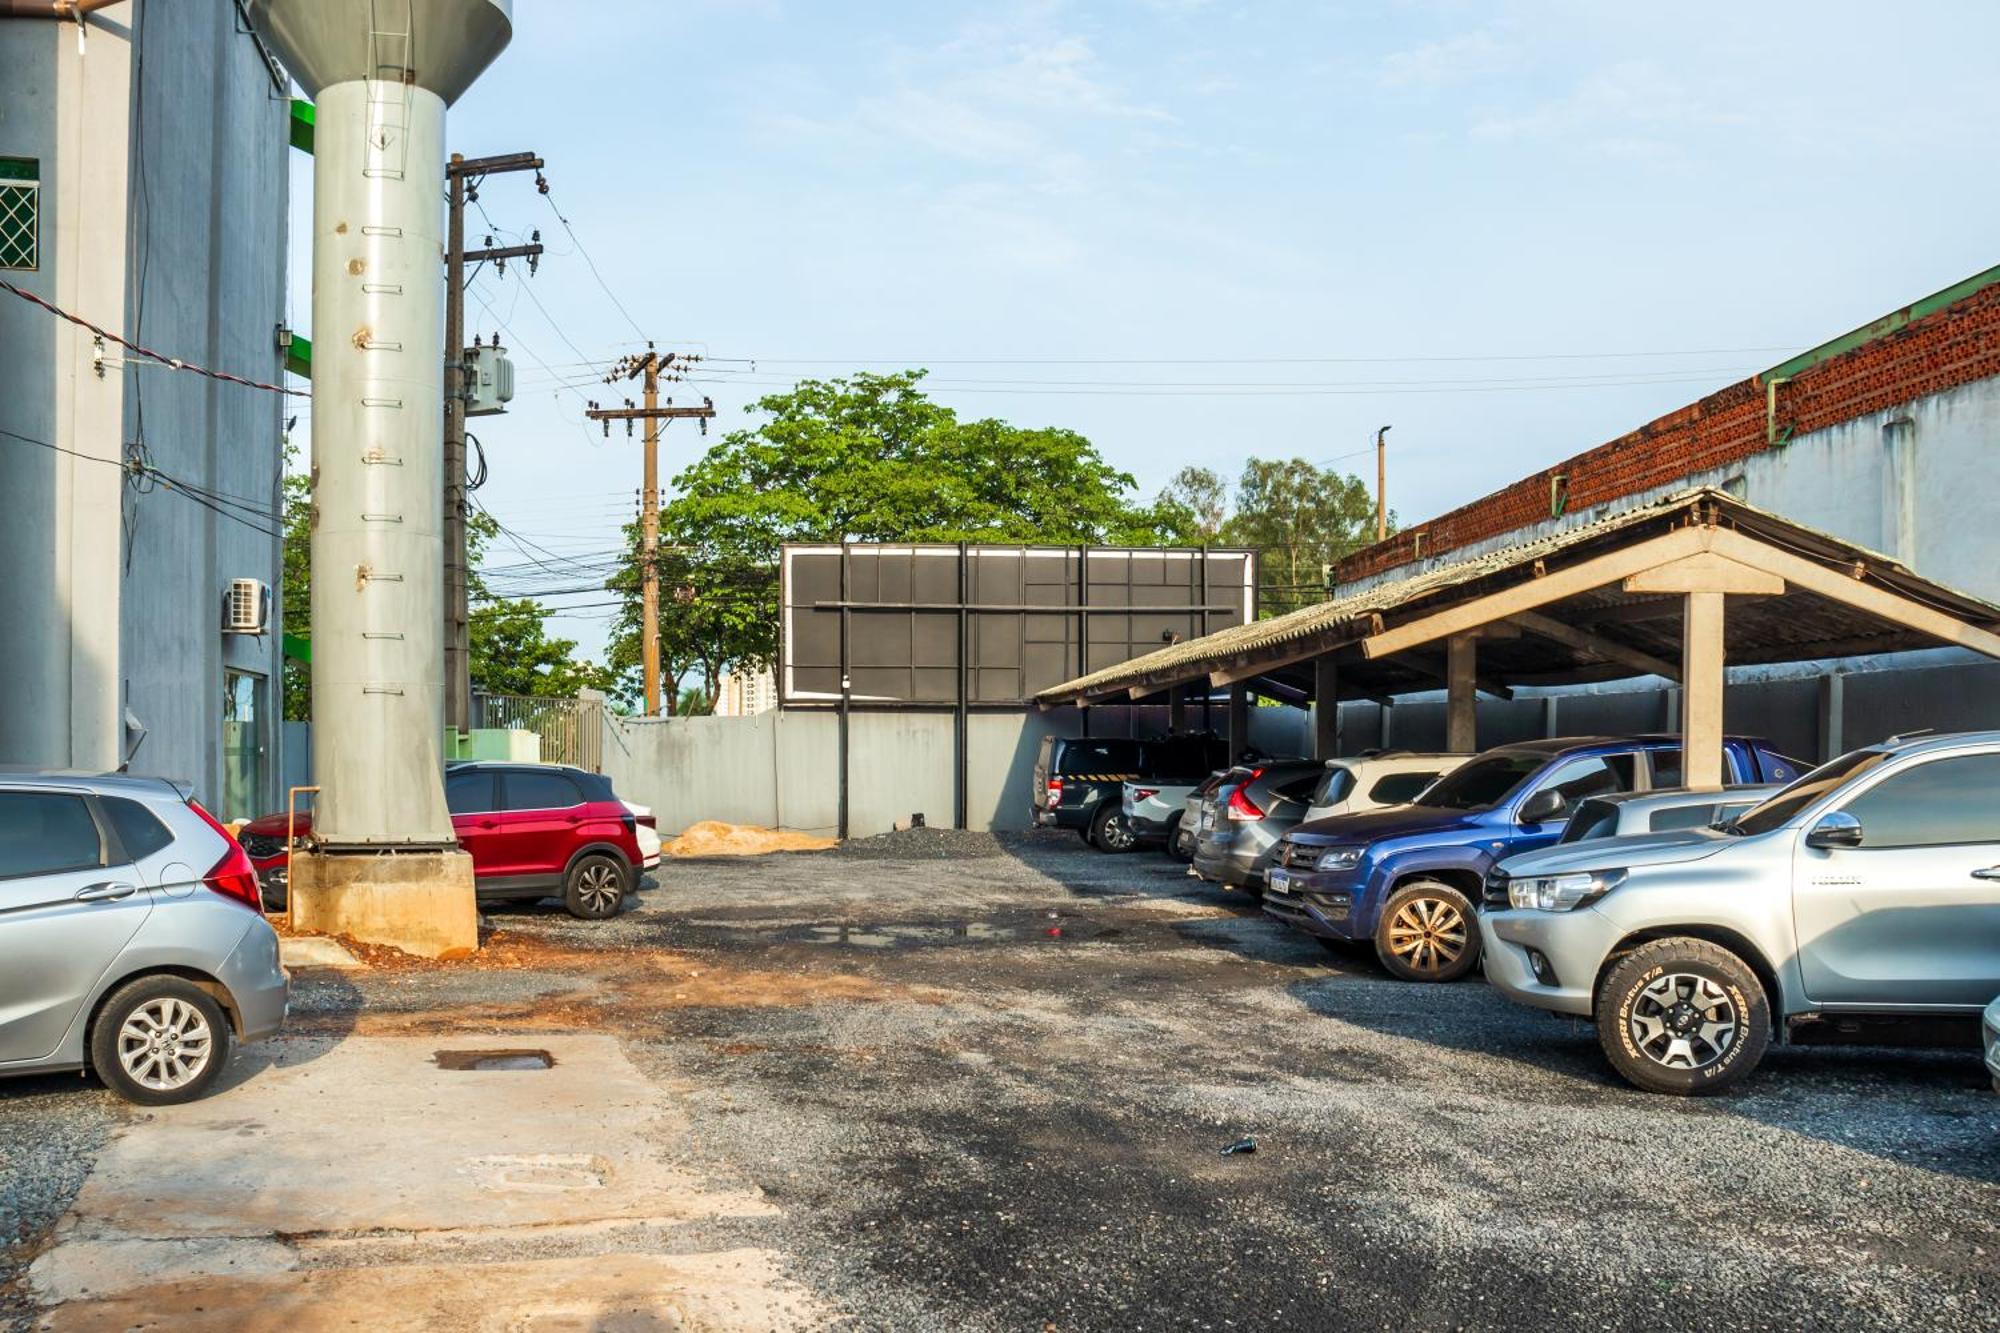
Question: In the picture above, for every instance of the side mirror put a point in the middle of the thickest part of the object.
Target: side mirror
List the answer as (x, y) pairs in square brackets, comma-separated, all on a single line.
[(1543, 806), (1836, 829)]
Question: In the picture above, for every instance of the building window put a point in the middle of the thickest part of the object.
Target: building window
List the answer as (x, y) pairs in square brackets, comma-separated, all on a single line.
[(20, 212)]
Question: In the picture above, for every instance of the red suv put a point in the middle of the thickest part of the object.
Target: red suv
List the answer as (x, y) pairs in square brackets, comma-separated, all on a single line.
[(534, 831)]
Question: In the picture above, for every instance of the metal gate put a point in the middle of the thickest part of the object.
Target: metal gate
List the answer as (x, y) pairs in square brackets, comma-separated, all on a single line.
[(572, 730)]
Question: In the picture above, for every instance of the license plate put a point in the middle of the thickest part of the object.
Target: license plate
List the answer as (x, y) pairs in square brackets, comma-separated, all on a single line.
[(1279, 881), (1207, 820)]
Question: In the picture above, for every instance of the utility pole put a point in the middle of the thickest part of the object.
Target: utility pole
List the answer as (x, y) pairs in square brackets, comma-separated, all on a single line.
[(650, 367), (1381, 485), (462, 176)]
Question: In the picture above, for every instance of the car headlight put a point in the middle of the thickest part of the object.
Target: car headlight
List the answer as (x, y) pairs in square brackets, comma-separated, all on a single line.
[(1562, 893), (1339, 858)]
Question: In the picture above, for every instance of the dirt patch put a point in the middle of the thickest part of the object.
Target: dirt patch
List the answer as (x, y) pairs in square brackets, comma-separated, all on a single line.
[(712, 837)]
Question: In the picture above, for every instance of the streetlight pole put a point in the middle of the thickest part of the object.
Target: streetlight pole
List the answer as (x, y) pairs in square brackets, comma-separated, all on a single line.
[(1381, 485)]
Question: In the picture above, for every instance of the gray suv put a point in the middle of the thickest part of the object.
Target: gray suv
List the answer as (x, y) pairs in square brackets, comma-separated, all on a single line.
[(132, 942), (1862, 902)]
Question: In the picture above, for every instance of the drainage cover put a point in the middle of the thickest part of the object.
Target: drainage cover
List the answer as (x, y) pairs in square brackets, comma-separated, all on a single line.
[(487, 1060)]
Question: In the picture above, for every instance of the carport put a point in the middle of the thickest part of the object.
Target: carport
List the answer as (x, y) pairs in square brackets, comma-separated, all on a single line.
[(1679, 588)]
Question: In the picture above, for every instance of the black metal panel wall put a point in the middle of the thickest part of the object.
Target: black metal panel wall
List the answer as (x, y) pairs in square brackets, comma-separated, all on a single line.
[(1029, 616)]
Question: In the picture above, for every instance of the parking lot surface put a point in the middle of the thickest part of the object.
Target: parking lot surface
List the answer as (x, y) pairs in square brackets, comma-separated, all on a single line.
[(984, 1083)]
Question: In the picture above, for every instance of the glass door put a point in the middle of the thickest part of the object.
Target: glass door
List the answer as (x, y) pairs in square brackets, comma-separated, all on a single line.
[(243, 745)]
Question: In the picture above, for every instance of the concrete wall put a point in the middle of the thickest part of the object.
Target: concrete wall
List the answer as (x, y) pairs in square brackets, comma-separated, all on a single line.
[(163, 150), (782, 769)]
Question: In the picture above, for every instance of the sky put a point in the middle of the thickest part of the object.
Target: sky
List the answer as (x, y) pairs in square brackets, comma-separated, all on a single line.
[(1199, 231)]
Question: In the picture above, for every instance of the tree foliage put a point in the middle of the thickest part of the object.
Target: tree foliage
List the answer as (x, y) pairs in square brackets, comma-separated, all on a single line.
[(864, 458), (1298, 517)]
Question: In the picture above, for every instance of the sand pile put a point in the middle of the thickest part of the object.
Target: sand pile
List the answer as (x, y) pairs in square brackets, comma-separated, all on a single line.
[(712, 837)]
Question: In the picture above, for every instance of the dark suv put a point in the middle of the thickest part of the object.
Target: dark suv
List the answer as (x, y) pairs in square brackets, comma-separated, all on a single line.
[(533, 831), (1079, 781), (1408, 877)]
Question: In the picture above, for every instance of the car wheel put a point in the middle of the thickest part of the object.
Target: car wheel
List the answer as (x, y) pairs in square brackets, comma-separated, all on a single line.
[(159, 1041), (1180, 843), (1683, 1016), (1111, 831), (1427, 933), (595, 887)]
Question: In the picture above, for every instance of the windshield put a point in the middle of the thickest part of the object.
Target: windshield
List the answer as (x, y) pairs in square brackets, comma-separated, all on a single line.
[(1782, 808), (1484, 782)]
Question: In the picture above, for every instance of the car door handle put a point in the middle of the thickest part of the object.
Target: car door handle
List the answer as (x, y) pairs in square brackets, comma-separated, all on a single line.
[(109, 891), (1991, 872)]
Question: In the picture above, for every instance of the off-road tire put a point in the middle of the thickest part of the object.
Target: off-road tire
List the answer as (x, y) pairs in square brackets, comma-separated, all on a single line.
[(1175, 850), (1689, 1056), (595, 886), (1428, 932), (160, 1041), (1111, 832)]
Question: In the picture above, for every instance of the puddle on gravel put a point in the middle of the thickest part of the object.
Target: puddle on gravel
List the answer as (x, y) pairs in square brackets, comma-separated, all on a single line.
[(1042, 927)]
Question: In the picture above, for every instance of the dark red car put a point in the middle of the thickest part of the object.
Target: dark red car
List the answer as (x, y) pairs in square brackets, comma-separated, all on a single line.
[(534, 831)]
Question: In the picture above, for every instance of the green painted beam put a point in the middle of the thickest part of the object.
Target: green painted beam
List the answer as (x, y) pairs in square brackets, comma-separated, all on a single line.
[(299, 650), (302, 125), (299, 356), (1889, 323)]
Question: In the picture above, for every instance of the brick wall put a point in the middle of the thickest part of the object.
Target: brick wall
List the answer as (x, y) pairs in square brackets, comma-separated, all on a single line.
[(1954, 346)]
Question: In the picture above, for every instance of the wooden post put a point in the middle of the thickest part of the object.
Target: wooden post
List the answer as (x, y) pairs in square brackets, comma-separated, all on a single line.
[(1832, 715), (1461, 730), (1326, 707), (1239, 721), (1177, 711), (1701, 691)]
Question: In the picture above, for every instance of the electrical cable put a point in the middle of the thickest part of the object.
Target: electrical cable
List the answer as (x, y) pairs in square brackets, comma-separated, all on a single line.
[(543, 185), (171, 362)]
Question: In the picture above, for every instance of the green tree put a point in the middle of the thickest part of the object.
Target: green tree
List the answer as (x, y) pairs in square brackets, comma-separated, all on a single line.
[(1299, 518), (865, 458), (1204, 495)]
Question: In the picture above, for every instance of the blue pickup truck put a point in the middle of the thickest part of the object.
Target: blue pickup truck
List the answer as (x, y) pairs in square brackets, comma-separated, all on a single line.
[(1408, 877)]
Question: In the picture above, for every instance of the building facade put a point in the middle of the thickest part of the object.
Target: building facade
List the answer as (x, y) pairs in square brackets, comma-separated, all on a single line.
[(1883, 436), (143, 188)]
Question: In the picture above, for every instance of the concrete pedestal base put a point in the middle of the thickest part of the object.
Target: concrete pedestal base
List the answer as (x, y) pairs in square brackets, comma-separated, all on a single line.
[(419, 902)]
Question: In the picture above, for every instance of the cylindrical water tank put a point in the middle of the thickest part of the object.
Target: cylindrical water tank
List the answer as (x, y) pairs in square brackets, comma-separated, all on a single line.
[(382, 72), (378, 404)]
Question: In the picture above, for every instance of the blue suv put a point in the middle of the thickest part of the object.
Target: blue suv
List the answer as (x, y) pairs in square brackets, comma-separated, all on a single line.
[(1408, 877)]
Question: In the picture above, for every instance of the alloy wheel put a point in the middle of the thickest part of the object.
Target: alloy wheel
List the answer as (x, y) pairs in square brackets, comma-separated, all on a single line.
[(1118, 834), (1427, 934), (1683, 1021), (600, 887), (165, 1044)]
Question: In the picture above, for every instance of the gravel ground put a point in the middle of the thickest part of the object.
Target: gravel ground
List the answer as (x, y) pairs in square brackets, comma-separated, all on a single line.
[(50, 1128), (988, 1081)]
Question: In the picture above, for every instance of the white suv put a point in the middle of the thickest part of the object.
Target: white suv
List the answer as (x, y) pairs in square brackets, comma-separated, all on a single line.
[(1371, 781)]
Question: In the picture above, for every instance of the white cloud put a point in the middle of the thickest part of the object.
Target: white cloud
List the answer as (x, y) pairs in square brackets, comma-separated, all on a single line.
[(1456, 60)]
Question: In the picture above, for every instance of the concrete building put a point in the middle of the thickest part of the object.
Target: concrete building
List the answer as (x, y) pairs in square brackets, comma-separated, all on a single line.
[(746, 693), (1882, 437), (142, 188)]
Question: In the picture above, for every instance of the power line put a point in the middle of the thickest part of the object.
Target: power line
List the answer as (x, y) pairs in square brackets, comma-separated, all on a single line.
[(585, 252), (172, 362), (1318, 391), (137, 469), (1245, 360)]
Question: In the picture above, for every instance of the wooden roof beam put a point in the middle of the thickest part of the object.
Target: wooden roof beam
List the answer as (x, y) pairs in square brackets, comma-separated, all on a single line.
[(1547, 627)]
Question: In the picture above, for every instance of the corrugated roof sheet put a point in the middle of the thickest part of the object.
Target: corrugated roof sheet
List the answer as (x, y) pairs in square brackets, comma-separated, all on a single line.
[(1344, 619)]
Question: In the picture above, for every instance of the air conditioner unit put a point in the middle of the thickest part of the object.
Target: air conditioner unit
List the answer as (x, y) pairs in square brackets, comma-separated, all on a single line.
[(489, 380), (246, 607)]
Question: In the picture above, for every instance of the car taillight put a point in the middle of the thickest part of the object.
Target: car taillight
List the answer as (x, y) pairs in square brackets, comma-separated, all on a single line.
[(1241, 807), (1055, 791), (1144, 793), (233, 876)]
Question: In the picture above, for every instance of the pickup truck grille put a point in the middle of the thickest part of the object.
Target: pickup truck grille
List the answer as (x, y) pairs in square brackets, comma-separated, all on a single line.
[(1298, 856), (1495, 891), (262, 848)]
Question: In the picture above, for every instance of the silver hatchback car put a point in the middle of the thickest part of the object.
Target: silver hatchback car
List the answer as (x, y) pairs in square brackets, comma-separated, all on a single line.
[(132, 940), (1859, 903)]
